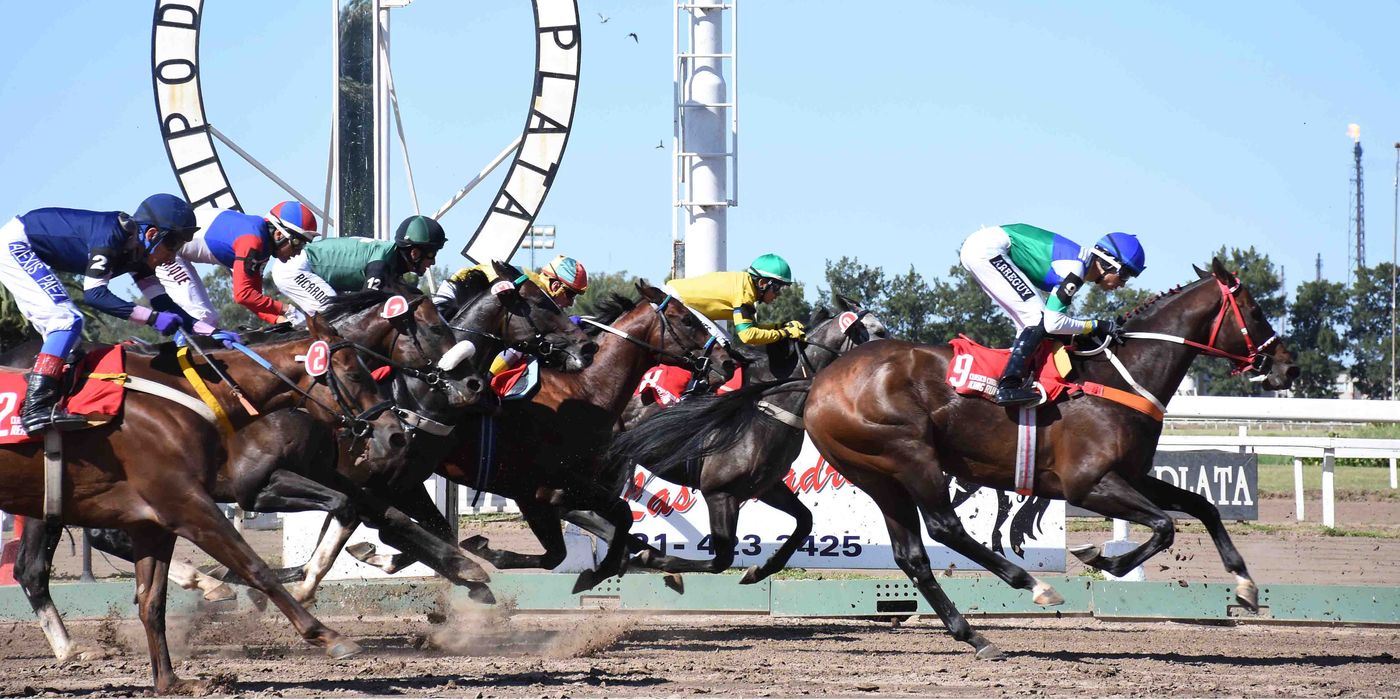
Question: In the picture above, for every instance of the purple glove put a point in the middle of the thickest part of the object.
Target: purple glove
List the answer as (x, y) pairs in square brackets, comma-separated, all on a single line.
[(578, 320), (166, 322), (228, 338)]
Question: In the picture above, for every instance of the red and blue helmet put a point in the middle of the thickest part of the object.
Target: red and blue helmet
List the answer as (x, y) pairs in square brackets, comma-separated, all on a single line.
[(568, 272), (293, 219), (1123, 251)]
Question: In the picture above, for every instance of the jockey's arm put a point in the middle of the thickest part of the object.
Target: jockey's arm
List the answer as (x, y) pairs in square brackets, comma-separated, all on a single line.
[(1057, 320), (751, 333), (249, 260), (97, 294), (154, 291), (376, 274)]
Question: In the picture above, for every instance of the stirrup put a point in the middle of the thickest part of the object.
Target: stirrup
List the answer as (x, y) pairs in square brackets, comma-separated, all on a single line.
[(1028, 393)]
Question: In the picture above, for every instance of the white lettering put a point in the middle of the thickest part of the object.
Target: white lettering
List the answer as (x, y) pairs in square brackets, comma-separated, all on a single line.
[(1202, 482), (1242, 489), (1222, 477)]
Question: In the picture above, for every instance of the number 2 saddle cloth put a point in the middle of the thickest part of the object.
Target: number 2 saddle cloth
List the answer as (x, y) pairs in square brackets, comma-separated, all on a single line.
[(95, 392)]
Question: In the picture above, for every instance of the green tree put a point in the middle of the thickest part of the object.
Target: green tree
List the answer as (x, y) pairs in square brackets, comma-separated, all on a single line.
[(600, 284), (1368, 331), (1262, 279), (791, 305), (1097, 302), (960, 306), (908, 309), (1319, 310), (219, 284), (862, 283)]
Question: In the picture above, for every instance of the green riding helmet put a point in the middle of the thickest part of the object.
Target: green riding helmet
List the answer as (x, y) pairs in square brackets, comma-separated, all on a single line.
[(420, 231), (772, 267)]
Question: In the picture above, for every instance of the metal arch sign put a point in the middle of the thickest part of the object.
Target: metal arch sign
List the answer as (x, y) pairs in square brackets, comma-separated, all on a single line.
[(527, 182), (180, 105)]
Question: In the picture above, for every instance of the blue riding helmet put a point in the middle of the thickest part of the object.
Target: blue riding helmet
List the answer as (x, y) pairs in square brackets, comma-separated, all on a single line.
[(169, 216), (1122, 250)]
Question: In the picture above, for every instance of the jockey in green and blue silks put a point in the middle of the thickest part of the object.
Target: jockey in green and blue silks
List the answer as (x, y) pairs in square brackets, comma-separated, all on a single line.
[(1015, 264), (101, 246), (348, 264)]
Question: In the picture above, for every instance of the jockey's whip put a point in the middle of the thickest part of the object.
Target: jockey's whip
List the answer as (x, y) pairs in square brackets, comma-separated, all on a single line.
[(237, 390)]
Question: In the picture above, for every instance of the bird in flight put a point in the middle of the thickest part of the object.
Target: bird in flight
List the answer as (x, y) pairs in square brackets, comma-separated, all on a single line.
[(659, 144), (602, 19), (634, 37)]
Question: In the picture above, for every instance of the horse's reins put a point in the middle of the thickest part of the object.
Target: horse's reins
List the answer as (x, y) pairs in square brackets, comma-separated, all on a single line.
[(358, 425), (692, 362), (847, 342)]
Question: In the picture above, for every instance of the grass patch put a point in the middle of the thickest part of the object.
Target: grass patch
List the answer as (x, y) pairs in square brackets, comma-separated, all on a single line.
[(1080, 524), (795, 574), (1348, 482), (484, 518)]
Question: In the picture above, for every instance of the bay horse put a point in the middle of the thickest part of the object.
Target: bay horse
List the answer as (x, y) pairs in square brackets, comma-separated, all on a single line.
[(885, 417), (294, 460), (738, 446), (151, 472), (550, 449)]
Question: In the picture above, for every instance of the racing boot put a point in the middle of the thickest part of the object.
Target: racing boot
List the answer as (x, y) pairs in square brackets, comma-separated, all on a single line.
[(1016, 387), (41, 409)]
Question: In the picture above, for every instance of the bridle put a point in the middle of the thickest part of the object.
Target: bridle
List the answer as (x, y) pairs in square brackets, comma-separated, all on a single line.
[(1256, 360), (356, 424), (697, 359), (538, 344), (848, 341)]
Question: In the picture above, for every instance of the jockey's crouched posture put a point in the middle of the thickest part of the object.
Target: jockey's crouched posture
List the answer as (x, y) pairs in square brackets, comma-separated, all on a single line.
[(100, 246), (562, 279), (242, 243), (731, 296), (350, 263), (1012, 262)]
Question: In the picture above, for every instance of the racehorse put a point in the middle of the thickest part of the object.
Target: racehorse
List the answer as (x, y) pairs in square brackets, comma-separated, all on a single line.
[(550, 449), (885, 417), (151, 472), (740, 445)]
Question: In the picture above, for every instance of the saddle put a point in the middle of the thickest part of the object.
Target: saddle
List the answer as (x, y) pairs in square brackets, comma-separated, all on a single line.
[(975, 370), (664, 384), (96, 393)]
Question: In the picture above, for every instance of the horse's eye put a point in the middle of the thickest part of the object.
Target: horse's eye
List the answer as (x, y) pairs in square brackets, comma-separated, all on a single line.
[(438, 330), (356, 377)]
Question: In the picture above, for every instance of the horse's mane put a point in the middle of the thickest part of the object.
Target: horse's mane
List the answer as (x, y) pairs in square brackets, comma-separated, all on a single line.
[(610, 308), (354, 302), (1149, 303)]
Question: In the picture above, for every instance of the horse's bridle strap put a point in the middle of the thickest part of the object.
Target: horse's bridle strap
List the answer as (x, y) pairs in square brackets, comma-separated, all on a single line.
[(1126, 398), (780, 414)]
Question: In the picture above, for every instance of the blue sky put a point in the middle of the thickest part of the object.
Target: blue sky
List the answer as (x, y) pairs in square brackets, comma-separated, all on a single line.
[(887, 135)]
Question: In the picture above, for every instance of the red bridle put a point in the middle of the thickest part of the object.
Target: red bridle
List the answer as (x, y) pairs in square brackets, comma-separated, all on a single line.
[(1255, 360)]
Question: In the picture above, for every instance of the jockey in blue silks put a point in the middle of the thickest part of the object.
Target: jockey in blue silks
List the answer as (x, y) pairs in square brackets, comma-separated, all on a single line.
[(101, 246)]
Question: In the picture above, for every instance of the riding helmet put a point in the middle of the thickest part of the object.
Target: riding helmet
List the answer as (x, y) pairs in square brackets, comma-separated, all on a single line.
[(773, 267), (420, 231), (293, 219), (1124, 250), (568, 272)]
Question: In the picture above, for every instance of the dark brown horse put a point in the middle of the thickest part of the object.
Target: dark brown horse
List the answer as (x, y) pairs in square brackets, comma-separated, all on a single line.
[(550, 449), (151, 473), (886, 419)]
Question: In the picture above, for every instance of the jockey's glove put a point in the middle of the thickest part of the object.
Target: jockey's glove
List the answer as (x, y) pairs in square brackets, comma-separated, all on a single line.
[(228, 338), (794, 330), (1109, 329), (165, 322)]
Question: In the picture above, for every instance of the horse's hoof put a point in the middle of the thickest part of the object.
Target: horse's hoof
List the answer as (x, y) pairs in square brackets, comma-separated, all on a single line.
[(220, 593), (1248, 595), (343, 649), (586, 581), (675, 583), (84, 653), (481, 593), (1086, 553), (986, 651), (290, 574), (1046, 595), (218, 571), (752, 575), (180, 686), (361, 550), (476, 544)]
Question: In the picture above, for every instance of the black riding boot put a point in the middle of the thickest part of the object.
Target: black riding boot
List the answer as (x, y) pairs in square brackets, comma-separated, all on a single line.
[(41, 409), (1016, 386)]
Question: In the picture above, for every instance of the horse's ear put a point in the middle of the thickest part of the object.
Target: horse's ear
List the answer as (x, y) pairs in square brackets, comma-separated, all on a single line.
[(650, 293), (846, 303), (505, 271), (319, 329), (819, 314), (1200, 274), (1217, 268)]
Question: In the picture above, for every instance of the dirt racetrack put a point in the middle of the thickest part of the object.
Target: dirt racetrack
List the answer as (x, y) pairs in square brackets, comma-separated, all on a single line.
[(625, 655)]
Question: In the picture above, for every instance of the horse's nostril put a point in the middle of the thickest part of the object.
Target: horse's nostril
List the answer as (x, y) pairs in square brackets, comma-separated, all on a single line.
[(398, 440), (589, 349), (1293, 372), (474, 384)]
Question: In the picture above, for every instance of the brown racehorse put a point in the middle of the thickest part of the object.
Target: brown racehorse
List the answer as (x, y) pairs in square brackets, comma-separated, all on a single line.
[(151, 472), (886, 419)]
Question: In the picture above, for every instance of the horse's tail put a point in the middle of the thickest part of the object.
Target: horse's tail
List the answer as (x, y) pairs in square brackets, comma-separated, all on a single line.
[(697, 427)]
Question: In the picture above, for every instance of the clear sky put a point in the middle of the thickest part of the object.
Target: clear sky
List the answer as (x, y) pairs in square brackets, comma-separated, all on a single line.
[(886, 131)]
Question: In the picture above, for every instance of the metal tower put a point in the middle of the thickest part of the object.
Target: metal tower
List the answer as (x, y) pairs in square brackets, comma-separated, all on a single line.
[(1358, 226)]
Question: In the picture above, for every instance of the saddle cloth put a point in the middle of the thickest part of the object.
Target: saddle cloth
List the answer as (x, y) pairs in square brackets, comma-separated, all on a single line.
[(94, 398), (519, 382), (975, 368), (664, 384)]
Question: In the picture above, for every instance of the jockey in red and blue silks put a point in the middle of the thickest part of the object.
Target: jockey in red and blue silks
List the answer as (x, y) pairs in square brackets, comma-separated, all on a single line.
[(243, 243), (100, 246)]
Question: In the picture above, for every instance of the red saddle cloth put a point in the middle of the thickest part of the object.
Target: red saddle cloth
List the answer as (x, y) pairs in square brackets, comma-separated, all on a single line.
[(96, 399), (975, 369), (664, 384)]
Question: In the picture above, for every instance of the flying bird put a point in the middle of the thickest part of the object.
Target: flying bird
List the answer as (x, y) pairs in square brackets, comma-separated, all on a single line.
[(602, 19), (659, 144), (634, 37)]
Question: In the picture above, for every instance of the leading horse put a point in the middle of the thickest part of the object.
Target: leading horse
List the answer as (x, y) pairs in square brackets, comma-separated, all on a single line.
[(885, 417)]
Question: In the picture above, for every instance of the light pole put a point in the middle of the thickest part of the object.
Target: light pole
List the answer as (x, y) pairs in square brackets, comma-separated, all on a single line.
[(541, 237), (1394, 229)]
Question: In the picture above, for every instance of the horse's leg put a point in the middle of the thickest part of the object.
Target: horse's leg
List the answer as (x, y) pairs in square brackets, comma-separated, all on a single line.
[(779, 496), (614, 562), (201, 522), (290, 492), (603, 530), (398, 530), (930, 491), (724, 521), (151, 550), (544, 523), (415, 503), (1169, 497), (902, 521), (36, 550), (1114, 497)]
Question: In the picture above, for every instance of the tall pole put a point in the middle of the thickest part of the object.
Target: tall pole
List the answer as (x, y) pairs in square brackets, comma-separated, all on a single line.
[(1394, 230), (706, 130)]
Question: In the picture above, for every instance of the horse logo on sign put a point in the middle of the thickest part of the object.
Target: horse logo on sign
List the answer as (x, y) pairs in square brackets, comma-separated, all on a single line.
[(395, 307), (318, 358)]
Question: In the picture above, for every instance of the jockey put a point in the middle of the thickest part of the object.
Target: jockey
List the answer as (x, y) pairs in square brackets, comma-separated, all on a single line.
[(1011, 262), (242, 243), (721, 296), (351, 263), (101, 246), (562, 279)]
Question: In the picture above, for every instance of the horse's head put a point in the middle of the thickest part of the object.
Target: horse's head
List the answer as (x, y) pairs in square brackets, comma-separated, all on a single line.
[(686, 339), (1242, 334), (511, 311), (344, 385), (852, 322)]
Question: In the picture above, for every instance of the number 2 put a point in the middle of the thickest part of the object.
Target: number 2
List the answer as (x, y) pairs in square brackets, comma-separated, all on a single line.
[(7, 407)]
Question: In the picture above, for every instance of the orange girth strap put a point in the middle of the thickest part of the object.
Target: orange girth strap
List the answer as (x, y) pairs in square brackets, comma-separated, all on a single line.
[(1126, 398)]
